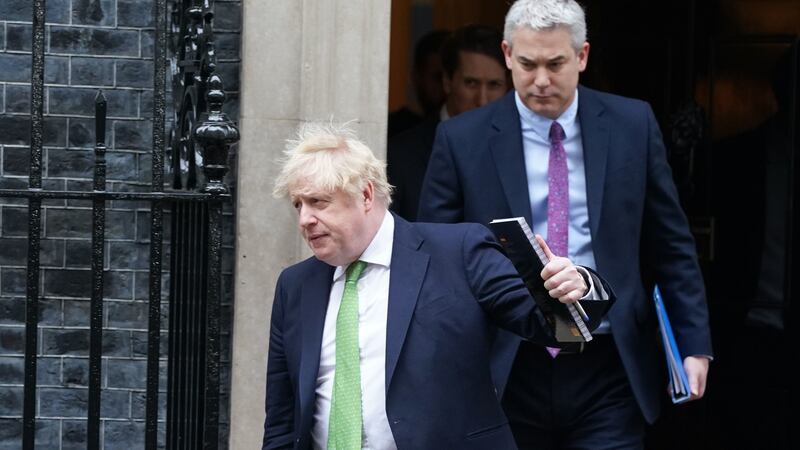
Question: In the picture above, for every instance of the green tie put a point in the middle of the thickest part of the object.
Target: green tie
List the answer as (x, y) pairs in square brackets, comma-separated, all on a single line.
[(344, 425)]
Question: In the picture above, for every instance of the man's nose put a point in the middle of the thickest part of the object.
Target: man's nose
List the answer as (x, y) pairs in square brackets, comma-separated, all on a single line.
[(306, 217), (542, 79), (483, 95)]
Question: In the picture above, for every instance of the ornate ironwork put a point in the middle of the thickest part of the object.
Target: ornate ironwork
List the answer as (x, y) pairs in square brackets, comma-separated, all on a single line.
[(200, 141), (156, 224), (196, 287), (34, 225), (215, 134), (96, 305), (193, 66)]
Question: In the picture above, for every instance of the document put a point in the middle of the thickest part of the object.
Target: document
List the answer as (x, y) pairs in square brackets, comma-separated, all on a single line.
[(678, 381), (568, 322)]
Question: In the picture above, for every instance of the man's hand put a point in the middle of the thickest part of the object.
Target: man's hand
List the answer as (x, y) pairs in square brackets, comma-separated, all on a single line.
[(696, 368), (561, 277)]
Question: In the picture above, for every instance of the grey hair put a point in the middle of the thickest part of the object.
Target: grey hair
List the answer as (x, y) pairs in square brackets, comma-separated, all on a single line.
[(328, 157), (541, 15)]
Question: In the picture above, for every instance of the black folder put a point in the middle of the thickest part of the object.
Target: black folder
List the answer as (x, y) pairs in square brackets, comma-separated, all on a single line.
[(529, 259)]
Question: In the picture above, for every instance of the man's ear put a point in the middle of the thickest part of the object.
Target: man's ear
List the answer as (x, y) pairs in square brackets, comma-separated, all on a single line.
[(583, 57), (368, 196), (506, 53)]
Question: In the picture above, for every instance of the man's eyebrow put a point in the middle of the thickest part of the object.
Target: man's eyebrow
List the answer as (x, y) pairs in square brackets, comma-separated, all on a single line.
[(555, 59)]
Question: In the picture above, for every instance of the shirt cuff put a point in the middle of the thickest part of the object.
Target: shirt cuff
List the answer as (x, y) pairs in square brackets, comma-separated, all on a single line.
[(596, 290)]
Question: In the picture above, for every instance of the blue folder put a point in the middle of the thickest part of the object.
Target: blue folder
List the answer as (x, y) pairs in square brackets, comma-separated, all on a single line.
[(678, 381)]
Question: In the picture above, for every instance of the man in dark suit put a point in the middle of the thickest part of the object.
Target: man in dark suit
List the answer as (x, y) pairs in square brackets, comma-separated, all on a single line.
[(588, 170), (426, 78), (474, 74), (382, 339)]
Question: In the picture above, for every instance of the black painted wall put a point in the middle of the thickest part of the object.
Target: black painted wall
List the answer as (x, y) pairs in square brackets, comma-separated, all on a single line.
[(90, 45)]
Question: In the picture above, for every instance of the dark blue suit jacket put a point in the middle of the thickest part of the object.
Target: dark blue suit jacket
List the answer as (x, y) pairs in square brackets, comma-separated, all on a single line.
[(449, 284), (477, 174), (407, 156)]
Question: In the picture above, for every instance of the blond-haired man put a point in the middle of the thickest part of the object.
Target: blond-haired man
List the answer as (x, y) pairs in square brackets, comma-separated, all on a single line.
[(382, 339)]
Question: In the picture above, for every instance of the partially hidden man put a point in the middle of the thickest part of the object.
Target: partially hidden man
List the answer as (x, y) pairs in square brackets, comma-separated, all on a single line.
[(381, 340)]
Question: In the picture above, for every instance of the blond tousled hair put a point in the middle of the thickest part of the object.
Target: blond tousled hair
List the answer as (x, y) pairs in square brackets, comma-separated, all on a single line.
[(326, 157)]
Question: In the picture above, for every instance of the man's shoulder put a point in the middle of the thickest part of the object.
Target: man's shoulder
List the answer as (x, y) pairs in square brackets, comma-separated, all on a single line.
[(448, 231), (613, 102), (411, 139), (302, 270), (478, 118)]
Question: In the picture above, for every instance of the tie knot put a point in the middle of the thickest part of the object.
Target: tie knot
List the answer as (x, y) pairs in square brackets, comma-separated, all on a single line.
[(354, 271), (556, 132)]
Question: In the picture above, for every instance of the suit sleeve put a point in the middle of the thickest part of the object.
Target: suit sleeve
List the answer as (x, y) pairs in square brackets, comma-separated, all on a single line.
[(669, 250), (499, 289), (279, 424), (441, 199), (601, 290)]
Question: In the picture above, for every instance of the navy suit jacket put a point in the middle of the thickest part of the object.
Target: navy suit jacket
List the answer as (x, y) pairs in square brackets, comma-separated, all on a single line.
[(639, 232), (449, 285), (407, 157)]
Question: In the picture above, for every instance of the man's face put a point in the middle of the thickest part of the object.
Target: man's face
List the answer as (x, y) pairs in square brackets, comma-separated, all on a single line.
[(478, 80), (545, 68), (334, 224)]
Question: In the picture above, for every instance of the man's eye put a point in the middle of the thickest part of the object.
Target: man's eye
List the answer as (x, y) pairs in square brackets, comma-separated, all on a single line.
[(318, 203)]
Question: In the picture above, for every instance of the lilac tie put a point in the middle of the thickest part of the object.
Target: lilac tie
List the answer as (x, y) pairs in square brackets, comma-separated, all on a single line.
[(557, 198), (558, 193)]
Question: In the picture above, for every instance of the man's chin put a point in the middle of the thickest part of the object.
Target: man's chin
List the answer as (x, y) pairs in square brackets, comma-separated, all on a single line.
[(544, 109), (326, 256)]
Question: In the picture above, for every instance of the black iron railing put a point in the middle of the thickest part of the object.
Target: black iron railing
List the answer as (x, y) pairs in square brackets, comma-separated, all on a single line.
[(198, 158)]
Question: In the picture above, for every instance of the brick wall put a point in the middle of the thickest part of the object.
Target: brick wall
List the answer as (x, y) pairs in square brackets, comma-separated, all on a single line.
[(90, 45)]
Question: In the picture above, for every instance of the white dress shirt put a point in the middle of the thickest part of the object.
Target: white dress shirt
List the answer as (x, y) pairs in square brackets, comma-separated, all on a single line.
[(536, 150), (373, 309)]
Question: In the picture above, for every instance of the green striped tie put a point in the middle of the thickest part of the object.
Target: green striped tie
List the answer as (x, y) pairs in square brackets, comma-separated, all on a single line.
[(344, 425)]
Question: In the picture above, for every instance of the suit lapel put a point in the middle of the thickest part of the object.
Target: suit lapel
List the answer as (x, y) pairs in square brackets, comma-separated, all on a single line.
[(595, 136), (408, 269), (314, 305), (507, 152)]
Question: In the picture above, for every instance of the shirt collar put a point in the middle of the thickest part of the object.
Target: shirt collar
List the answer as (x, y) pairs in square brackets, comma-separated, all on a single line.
[(379, 251), (443, 114), (540, 125)]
